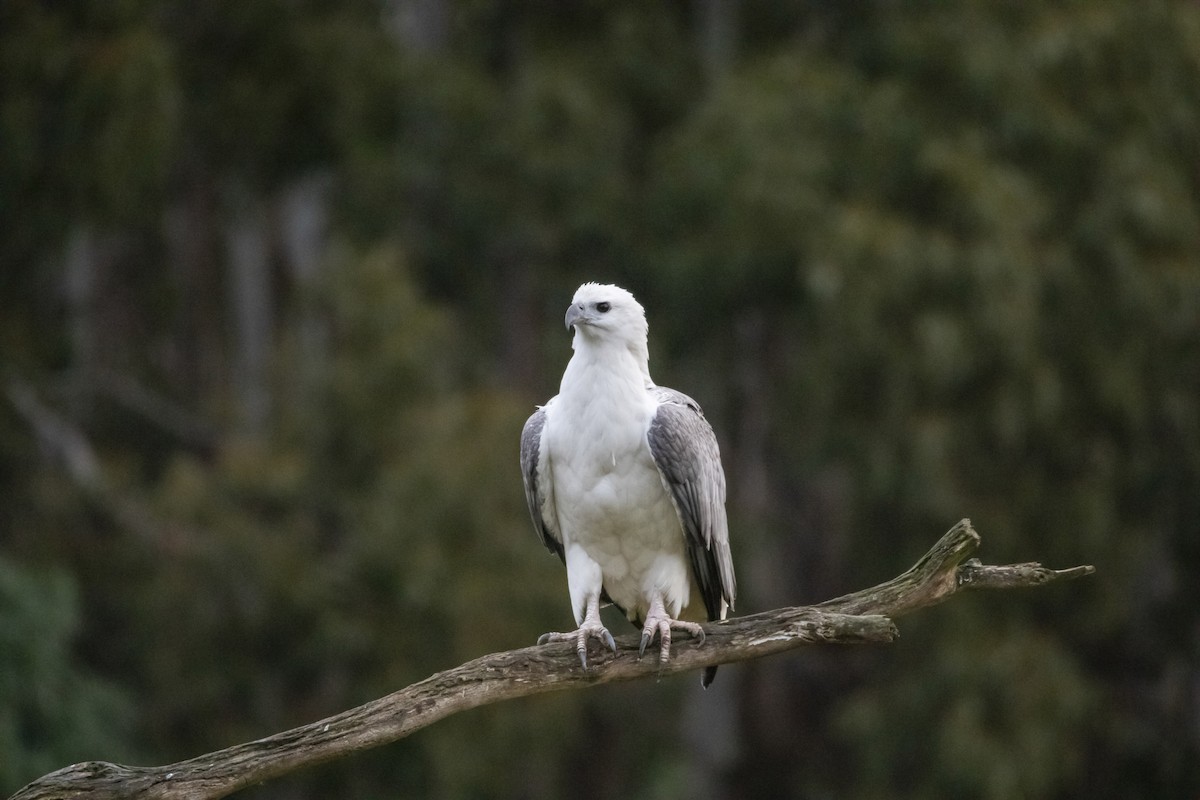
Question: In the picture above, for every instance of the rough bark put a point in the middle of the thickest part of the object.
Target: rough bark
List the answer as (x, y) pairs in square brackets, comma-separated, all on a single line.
[(863, 616)]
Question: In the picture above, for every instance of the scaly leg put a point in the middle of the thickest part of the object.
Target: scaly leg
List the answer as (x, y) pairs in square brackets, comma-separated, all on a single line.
[(659, 622), (590, 627)]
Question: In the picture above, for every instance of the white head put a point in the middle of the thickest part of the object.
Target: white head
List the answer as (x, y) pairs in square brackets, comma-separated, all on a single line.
[(607, 315)]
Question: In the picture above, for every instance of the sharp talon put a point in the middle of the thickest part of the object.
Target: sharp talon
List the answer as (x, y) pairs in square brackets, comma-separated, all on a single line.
[(589, 628), (700, 635), (645, 641)]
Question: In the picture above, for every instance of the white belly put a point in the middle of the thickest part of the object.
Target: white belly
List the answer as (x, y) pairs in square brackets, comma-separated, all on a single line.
[(612, 505)]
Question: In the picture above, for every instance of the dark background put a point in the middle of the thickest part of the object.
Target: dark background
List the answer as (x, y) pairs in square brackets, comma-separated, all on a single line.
[(280, 280)]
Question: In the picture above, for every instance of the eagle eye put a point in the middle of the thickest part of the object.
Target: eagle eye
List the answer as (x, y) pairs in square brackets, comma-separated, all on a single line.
[(603, 307)]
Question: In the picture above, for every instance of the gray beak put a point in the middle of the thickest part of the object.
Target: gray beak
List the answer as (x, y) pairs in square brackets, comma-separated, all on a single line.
[(574, 314)]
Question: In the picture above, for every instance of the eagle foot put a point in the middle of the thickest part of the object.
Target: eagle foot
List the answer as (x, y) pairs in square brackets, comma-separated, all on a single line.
[(661, 626), (580, 637)]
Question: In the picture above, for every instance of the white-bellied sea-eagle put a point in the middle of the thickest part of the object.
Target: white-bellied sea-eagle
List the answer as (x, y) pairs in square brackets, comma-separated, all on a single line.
[(624, 482)]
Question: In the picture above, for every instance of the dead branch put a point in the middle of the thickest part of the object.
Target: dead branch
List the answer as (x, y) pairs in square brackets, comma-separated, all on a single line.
[(66, 444), (863, 616)]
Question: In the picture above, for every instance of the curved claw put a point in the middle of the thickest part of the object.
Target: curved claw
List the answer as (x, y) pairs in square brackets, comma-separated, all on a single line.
[(598, 631), (579, 638), (660, 625)]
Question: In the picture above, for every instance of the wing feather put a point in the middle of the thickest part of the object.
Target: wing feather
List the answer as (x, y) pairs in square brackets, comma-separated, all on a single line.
[(537, 484), (685, 450)]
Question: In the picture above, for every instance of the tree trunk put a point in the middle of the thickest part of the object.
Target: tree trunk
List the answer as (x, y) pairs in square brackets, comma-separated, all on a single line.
[(252, 302)]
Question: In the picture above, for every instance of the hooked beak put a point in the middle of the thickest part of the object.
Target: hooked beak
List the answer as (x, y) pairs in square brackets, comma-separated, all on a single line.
[(574, 315)]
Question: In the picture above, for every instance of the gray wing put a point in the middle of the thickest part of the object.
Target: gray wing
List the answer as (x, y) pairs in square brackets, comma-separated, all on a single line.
[(536, 486), (685, 451)]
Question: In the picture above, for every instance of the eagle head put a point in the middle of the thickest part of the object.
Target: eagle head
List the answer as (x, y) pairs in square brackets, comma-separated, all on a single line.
[(603, 312)]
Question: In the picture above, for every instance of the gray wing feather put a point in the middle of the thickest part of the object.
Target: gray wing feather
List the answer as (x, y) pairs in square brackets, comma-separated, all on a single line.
[(689, 461), (536, 490)]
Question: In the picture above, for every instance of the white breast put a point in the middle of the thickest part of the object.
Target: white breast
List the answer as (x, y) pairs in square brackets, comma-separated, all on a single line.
[(610, 499)]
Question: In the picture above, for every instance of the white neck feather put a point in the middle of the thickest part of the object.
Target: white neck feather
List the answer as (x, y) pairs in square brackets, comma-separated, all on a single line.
[(627, 362)]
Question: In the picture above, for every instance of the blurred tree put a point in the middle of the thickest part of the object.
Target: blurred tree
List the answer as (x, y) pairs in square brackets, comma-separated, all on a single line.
[(922, 208)]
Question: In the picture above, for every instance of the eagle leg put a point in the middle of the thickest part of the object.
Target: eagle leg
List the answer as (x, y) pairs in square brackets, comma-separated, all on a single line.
[(590, 627), (659, 622)]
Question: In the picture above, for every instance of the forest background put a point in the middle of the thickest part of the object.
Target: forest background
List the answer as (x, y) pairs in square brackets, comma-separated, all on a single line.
[(280, 280)]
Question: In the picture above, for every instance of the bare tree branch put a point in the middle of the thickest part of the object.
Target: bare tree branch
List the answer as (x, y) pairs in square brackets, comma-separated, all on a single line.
[(863, 616), (165, 414), (61, 440), (67, 445)]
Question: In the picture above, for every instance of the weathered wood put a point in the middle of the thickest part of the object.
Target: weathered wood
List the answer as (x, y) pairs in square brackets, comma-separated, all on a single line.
[(860, 617)]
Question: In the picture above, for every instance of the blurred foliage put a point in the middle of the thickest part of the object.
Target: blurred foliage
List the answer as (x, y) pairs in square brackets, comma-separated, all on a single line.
[(52, 711), (916, 262)]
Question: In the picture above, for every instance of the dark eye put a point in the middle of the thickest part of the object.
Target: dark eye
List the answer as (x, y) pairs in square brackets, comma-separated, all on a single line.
[(603, 308)]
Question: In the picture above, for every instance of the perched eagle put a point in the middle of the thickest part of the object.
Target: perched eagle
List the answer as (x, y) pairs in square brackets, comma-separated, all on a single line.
[(624, 482)]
